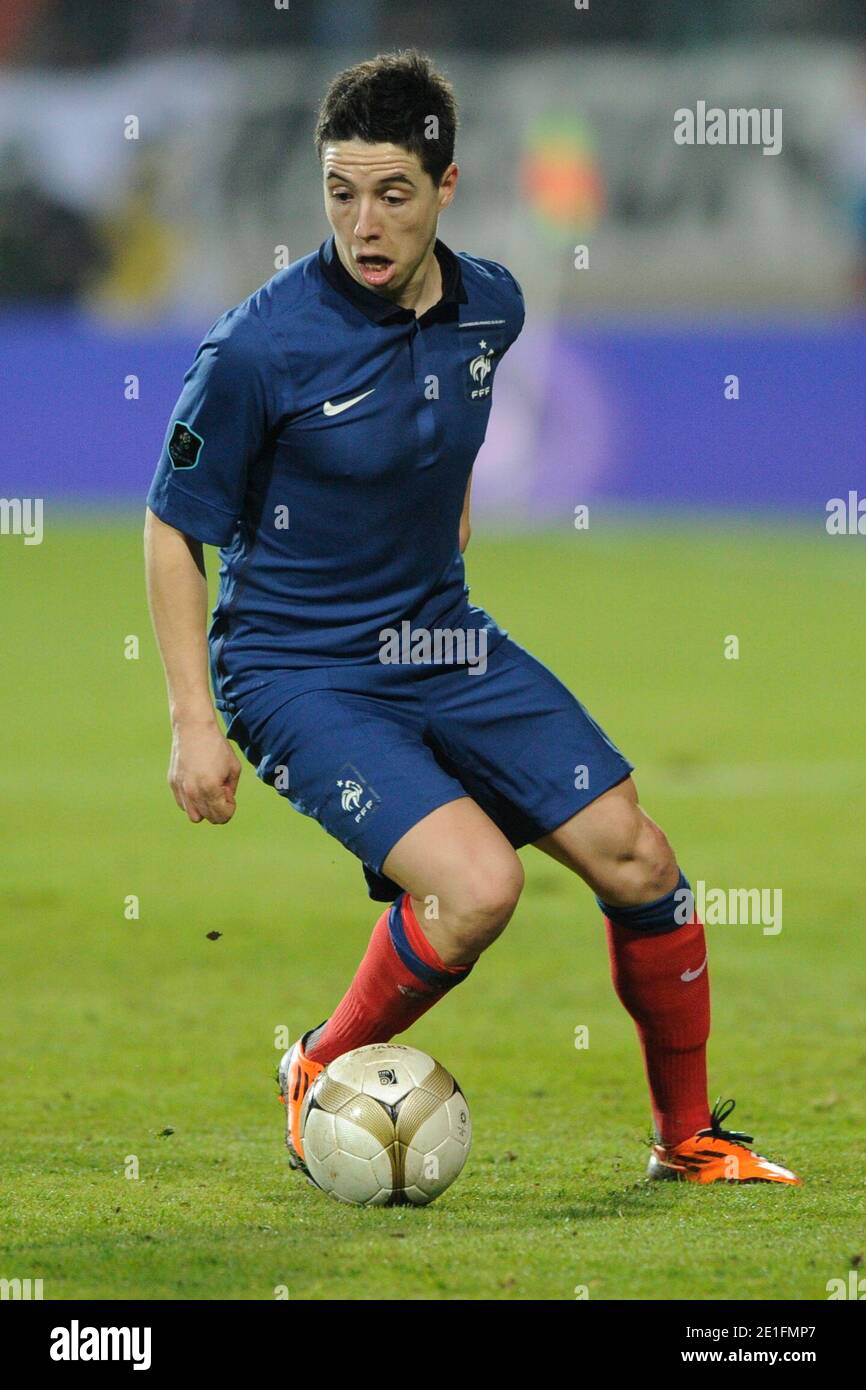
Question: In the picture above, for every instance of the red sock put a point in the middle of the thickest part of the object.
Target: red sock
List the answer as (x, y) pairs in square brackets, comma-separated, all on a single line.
[(399, 979), (672, 1016)]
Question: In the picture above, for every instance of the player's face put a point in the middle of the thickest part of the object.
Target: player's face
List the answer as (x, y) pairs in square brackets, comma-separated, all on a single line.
[(383, 208)]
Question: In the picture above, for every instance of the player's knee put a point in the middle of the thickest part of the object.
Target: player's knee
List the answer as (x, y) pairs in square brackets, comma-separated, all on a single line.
[(656, 862), (488, 896), (652, 862), (645, 863)]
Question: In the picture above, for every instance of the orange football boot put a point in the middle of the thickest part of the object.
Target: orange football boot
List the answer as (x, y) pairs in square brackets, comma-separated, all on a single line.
[(716, 1155), (297, 1074)]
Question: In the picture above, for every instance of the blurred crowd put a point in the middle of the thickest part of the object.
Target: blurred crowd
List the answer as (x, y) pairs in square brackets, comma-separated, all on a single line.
[(79, 33), (121, 252)]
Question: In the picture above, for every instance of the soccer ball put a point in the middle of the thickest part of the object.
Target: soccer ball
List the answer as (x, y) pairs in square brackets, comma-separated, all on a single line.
[(385, 1125)]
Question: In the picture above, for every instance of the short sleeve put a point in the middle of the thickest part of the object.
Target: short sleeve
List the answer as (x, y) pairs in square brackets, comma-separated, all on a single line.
[(517, 313), (216, 431)]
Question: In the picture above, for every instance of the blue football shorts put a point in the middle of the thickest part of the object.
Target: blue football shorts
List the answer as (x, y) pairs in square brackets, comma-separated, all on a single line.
[(369, 750)]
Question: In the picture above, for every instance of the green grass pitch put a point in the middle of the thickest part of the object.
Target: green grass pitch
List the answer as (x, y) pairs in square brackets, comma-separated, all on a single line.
[(143, 1040)]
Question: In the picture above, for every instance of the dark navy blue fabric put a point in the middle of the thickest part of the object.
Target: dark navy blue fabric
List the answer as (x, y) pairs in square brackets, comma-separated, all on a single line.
[(437, 979), (372, 750), (655, 917), (335, 524)]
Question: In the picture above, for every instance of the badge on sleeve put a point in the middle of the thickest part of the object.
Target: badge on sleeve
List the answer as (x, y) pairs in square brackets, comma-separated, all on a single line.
[(184, 446)]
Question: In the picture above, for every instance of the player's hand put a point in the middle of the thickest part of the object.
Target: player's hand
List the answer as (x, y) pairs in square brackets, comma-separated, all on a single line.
[(203, 773)]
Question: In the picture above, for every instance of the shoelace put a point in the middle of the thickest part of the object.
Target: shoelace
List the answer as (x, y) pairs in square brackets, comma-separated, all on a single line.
[(721, 1111)]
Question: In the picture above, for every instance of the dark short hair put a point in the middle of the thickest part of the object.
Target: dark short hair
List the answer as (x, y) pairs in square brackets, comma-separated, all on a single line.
[(389, 99)]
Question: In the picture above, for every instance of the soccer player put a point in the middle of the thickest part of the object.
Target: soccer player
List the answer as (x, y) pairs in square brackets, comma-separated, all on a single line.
[(324, 439)]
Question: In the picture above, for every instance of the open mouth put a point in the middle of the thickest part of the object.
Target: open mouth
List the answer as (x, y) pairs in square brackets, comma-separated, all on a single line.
[(375, 270)]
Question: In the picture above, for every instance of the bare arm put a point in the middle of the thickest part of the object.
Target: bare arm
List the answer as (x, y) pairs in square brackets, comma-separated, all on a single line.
[(204, 769), (465, 528)]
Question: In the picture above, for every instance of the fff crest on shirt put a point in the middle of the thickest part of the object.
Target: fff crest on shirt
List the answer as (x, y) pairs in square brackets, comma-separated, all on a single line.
[(487, 347)]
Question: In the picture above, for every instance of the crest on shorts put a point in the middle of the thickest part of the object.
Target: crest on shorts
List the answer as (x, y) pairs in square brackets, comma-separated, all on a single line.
[(357, 797), (184, 446)]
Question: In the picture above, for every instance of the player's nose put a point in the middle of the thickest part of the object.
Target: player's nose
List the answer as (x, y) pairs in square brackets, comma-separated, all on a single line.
[(366, 225)]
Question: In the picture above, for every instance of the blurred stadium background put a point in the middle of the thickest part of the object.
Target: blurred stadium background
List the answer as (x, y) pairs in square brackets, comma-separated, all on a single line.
[(156, 155)]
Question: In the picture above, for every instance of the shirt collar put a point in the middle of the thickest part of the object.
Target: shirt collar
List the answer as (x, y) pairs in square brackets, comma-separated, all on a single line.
[(376, 306)]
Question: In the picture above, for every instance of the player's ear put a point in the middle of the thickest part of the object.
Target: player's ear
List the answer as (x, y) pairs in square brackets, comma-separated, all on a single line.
[(447, 185)]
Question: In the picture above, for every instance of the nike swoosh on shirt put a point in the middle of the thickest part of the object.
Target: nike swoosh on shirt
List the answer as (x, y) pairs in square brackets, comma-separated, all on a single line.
[(689, 975), (330, 409)]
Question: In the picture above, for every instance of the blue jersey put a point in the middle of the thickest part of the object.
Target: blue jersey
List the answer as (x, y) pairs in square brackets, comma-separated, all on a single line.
[(323, 439)]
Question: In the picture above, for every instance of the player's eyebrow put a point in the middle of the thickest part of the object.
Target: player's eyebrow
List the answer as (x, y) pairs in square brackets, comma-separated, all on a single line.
[(398, 178), (386, 179)]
